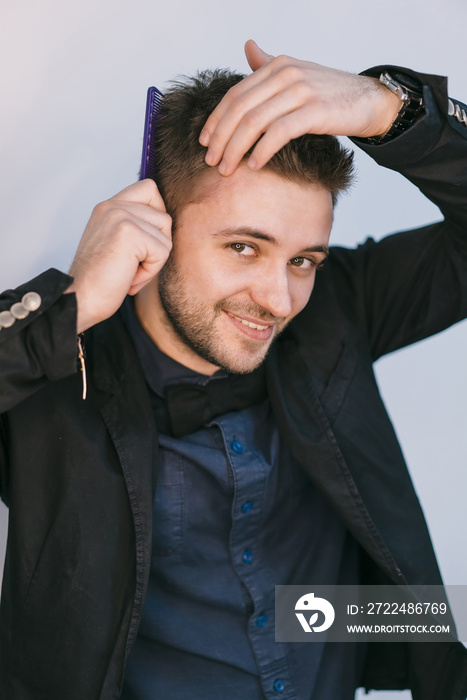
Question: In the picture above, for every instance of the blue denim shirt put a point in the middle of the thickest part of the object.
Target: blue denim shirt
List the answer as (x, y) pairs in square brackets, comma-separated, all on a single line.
[(233, 517)]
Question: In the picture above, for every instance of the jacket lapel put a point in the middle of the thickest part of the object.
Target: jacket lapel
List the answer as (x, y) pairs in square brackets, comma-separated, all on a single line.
[(308, 434), (119, 390)]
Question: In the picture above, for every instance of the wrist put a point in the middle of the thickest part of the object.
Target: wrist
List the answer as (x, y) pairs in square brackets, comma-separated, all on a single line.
[(409, 103), (83, 319), (391, 105)]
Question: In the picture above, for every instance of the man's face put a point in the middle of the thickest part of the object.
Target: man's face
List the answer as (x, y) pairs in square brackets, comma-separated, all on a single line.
[(243, 265)]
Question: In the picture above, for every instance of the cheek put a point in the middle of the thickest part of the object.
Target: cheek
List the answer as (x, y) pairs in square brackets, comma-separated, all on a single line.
[(221, 278), (208, 281)]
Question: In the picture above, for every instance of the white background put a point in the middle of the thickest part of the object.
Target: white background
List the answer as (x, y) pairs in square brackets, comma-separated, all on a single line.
[(73, 85)]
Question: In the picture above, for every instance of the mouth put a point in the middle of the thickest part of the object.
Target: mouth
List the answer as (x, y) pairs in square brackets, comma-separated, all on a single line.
[(251, 328)]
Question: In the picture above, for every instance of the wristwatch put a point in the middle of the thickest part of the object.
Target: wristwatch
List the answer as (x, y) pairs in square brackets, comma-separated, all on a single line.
[(412, 107)]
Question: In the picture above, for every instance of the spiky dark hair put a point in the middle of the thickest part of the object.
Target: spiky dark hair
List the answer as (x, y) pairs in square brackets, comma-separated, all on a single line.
[(314, 159)]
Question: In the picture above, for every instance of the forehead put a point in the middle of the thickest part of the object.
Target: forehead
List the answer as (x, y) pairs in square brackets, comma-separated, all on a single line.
[(260, 200)]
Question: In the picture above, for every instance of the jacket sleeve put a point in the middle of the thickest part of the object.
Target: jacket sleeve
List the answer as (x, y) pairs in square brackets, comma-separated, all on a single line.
[(42, 346), (35, 349), (413, 284)]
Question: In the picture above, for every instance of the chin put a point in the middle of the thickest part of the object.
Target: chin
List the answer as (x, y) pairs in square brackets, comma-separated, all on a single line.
[(241, 365)]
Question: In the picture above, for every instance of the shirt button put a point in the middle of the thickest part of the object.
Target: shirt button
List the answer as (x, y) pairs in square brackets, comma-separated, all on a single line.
[(279, 685), (247, 556), (237, 447), (262, 621), (247, 507)]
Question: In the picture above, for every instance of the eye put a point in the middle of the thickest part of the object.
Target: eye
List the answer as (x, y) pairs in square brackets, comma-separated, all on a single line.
[(242, 249), (306, 263)]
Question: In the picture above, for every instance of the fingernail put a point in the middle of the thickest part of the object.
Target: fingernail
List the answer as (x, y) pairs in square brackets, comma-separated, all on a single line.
[(209, 157), (204, 137), (252, 163), (222, 167)]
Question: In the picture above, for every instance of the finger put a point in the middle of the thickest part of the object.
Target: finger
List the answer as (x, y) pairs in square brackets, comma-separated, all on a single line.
[(230, 120), (257, 121), (135, 288), (255, 56), (156, 219), (157, 253), (148, 248), (142, 277), (281, 75), (134, 238), (144, 274), (144, 191), (278, 135), (230, 96)]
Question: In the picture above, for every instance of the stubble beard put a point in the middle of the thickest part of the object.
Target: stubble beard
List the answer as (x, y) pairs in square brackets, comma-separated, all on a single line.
[(194, 324)]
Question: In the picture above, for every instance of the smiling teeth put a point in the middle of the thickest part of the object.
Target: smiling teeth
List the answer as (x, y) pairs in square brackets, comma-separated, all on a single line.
[(251, 325)]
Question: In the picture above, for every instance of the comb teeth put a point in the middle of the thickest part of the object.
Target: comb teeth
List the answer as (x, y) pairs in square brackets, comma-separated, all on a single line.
[(153, 110)]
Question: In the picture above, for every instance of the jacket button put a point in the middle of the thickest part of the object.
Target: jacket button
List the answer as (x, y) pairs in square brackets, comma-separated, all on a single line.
[(31, 301), (19, 311), (6, 319)]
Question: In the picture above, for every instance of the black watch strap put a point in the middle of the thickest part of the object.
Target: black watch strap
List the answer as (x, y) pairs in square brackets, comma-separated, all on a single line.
[(411, 109)]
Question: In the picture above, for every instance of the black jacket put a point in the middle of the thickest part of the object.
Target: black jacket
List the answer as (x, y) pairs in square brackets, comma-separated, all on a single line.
[(80, 476)]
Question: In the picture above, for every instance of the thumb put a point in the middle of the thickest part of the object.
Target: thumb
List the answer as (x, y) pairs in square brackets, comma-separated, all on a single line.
[(256, 57)]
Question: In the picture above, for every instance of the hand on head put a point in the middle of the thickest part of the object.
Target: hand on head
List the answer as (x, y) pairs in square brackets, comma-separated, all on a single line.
[(285, 98), (126, 242)]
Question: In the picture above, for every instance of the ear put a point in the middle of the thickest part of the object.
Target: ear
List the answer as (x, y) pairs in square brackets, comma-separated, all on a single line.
[(256, 57)]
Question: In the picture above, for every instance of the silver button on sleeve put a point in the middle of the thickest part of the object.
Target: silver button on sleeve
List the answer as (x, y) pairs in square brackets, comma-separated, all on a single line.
[(19, 311), (31, 301), (6, 319), (458, 112)]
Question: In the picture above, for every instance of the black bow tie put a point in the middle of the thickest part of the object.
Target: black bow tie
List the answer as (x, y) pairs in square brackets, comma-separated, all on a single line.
[(191, 406)]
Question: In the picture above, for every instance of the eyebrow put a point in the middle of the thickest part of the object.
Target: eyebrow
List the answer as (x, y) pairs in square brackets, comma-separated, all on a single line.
[(260, 235)]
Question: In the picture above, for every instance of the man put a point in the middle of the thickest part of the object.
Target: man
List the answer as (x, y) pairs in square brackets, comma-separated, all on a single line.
[(290, 471)]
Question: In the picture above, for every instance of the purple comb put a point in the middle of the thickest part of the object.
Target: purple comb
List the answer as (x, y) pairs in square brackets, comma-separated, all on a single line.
[(153, 110)]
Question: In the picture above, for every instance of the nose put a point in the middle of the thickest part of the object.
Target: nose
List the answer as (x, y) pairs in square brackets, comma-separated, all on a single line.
[(271, 291)]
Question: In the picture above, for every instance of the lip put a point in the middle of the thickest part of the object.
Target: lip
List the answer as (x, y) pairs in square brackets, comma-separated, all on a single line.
[(253, 333)]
